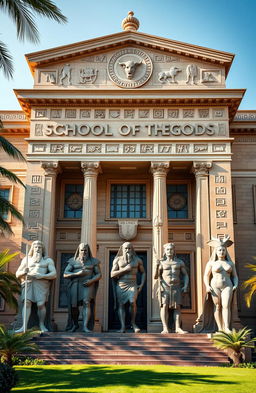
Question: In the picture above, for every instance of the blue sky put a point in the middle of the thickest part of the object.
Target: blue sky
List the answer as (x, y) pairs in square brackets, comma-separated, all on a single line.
[(227, 25)]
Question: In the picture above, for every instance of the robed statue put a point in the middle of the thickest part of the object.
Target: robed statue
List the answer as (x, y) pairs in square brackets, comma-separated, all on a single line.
[(83, 272), (126, 265)]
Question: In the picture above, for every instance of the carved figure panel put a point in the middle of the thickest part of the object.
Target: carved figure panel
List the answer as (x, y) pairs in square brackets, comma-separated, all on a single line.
[(192, 74), (169, 75), (65, 75), (87, 75)]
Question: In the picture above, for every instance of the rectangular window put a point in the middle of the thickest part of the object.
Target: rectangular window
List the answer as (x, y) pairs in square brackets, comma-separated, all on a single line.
[(73, 202), (5, 193), (128, 201), (177, 201)]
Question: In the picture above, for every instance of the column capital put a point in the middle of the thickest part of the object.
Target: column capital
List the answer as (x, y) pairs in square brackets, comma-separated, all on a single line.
[(201, 168), (160, 167), (51, 168), (92, 168)]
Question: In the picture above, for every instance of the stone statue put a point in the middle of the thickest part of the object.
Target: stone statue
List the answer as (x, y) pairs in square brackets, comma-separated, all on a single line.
[(164, 76), (126, 265), (192, 73), (168, 271), (130, 67), (221, 281), (40, 271), (84, 274), (65, 73)]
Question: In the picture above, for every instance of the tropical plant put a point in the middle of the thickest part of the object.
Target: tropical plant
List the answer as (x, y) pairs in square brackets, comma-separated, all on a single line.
[(23, 12), (234, 342), (5, 205), (12, 344), (8, 378), (250, 284), (9, 284)]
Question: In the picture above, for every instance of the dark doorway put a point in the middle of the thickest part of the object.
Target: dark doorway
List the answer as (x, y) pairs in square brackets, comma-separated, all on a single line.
[(141, 317)]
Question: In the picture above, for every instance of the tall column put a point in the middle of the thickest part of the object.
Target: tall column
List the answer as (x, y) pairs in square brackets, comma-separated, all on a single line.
[(89, 218), (51, 169), (203, 233), (159, 223)]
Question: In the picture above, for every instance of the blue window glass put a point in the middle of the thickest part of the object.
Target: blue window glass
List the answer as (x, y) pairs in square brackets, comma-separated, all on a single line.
[(128, 201), (73, 204), (177, 201), (5, 193)]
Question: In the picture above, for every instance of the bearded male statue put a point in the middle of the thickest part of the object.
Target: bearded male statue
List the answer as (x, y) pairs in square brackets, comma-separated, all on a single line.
[(38, 270)]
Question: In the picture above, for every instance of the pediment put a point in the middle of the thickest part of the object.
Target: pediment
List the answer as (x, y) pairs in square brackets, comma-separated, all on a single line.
[(165, 63)]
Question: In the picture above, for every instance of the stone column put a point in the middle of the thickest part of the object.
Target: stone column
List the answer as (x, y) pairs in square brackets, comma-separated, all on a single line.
[(159, 223), (51, 169), (203, 233), (89, 218)]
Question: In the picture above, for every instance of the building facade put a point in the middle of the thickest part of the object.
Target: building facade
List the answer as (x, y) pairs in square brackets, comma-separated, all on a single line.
[(133, 137)]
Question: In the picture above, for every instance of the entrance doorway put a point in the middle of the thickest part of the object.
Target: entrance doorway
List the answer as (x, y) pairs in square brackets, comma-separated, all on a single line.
[(141, 316)]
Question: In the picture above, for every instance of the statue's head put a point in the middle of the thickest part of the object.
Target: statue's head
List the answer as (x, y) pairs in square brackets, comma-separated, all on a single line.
[(221, 251), (169, 250), (130, 67), (37, 247), (83, 251), (220, 247), (127, 248)]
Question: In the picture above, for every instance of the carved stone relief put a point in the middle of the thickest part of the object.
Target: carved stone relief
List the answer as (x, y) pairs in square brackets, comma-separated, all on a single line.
[(87, 75), (65, 75), (130, 68), (70, 113), (129, 113), (39, 113), (210, 76), (192, 74), (220, 201), (85, 113), (48, 77), (173, 113), (56, 113), (169, 75), (38, 129), (36, 179)]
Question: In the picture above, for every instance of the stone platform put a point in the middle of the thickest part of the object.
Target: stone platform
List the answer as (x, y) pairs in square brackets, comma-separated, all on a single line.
[(129, 348)]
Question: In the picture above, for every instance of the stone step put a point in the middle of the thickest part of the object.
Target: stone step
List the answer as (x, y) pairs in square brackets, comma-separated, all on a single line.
[(130, 348)]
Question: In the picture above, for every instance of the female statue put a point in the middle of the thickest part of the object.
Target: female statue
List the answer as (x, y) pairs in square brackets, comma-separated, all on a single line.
[(84, 273), (221, 281)]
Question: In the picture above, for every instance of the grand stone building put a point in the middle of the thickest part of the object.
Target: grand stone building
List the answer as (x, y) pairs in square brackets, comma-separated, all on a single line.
[(133, 136)]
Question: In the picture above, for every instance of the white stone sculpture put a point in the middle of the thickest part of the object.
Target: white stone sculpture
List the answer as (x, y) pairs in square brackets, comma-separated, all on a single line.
[(170, 75), (38, 270), (130, 67), (65, 73), (192, 73)]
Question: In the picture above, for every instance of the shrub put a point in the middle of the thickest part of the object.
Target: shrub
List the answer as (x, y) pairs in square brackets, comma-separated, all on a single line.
[(8, 378)]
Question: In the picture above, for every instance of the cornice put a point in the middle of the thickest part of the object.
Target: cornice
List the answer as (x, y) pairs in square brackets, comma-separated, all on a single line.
[(81, 98), (99, 44)]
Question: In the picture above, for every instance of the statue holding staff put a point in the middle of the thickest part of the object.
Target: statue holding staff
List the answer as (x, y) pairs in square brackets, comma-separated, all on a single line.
[(220, 279), (168, 271), (84, 274), (126, 265), (36, 272)]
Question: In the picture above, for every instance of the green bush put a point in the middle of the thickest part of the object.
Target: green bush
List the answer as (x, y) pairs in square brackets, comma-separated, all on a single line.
[(8, 378), (27, 361)]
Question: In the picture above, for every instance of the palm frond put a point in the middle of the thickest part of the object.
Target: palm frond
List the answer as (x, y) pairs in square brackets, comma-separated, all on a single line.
[(6, 206), (250, 284), (10, 149), (235, 340), (19, 12), (47, 8), (5, 257), (6, 61), (10, 175), (5, 227)]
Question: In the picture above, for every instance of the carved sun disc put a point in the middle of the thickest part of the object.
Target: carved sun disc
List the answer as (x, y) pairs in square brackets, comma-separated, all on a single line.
[(177, 201), (130, 68), (75, 201)]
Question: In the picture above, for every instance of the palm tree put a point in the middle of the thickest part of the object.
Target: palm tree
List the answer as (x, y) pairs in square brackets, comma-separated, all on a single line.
[(22, 12), (9, 284), (234, 342), (12, 344), (251, 285), (5, 205)]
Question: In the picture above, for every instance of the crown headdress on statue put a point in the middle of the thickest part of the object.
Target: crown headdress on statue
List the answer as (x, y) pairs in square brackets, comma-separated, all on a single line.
[(217, 242)]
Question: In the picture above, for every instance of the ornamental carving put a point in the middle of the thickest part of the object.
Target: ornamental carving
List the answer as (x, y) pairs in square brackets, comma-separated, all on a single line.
[(169, 75), (88, 75), (201, 168), (51, 168), (177, 201), (130, 68), (128, 229), (74, 201)]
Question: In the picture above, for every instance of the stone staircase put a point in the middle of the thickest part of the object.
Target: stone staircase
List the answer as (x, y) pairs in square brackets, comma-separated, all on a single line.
[(129, 348)]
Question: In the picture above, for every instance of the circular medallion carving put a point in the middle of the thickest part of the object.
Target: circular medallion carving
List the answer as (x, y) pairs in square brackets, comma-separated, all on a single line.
[(177, 201), (74, 201), (130, 67)]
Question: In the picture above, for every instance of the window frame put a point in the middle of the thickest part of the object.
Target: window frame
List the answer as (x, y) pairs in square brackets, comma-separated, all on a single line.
[(62, 199), (128, 182), (188, 182), (11, 188)]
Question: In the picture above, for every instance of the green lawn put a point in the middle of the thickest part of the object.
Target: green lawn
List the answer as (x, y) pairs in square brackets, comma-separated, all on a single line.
[(134, 379)]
